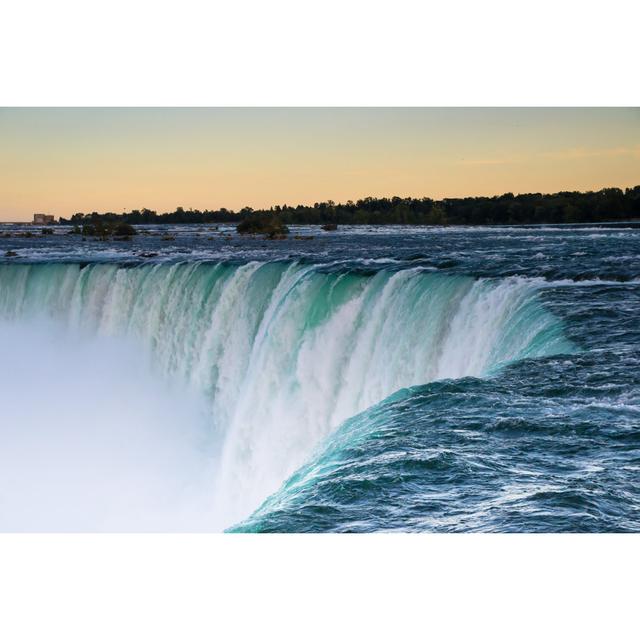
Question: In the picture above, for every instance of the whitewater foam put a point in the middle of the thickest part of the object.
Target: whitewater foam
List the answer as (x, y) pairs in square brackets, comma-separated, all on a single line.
[(282, 352)]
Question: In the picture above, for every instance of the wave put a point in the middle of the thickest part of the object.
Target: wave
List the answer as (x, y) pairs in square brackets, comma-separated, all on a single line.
[(284, 352)]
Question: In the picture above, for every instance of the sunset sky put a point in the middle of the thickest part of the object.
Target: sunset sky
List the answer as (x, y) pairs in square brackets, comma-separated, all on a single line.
[(65, 160)]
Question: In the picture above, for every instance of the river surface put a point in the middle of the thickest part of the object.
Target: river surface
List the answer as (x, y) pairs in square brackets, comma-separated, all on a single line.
[(367, 379)]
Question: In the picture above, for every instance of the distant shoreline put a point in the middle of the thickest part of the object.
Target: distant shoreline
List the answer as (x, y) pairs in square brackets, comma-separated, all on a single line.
[(632, 223), (606, 206)]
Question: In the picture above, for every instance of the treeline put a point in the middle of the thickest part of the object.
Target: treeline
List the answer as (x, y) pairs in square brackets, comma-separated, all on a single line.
[(606, 205)]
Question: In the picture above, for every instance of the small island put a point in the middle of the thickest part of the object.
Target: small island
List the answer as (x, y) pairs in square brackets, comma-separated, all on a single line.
[(262, 223)]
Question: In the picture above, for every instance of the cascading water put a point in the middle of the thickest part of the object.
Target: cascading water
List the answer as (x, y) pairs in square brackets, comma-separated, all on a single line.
[(284, 352)]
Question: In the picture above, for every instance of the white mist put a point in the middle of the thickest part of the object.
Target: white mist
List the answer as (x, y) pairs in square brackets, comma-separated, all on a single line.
[(92, 440)]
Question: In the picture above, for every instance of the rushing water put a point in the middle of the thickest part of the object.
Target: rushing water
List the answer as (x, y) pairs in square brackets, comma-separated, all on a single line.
[(475, 379)]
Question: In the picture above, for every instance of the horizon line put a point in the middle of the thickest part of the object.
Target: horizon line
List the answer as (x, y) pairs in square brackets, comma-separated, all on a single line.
[(345, 203)]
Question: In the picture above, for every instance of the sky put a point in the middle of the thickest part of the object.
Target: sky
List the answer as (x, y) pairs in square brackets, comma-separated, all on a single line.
[(65, 160)]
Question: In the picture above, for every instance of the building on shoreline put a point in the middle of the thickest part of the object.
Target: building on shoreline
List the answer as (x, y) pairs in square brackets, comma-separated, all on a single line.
[(43, 218)]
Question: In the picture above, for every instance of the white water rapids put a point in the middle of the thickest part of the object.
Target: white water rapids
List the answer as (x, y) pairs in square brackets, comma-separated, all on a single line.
[(178, 397)]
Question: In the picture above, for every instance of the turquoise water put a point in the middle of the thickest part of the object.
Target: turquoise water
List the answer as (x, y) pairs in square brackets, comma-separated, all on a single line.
[(373, 379)]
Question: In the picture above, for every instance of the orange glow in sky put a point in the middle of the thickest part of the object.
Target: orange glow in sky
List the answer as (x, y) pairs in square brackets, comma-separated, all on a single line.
[(64, 160)]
